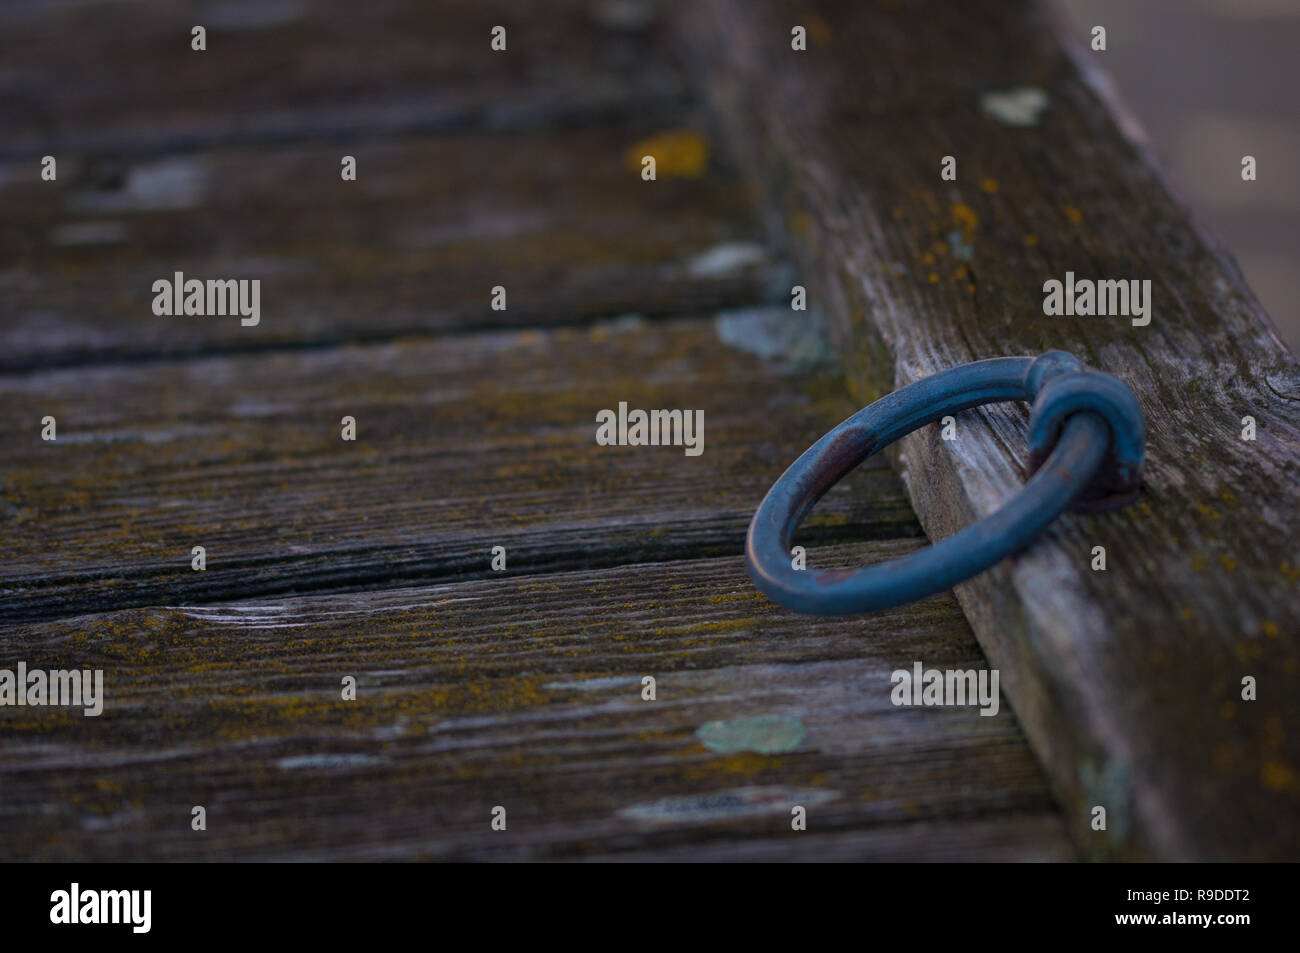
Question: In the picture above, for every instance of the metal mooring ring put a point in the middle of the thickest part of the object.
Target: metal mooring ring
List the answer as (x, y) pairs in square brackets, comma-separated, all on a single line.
[(1086, 443)]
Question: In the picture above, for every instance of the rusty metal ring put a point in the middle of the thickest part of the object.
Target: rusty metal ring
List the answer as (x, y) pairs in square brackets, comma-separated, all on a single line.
[(1086, 441)]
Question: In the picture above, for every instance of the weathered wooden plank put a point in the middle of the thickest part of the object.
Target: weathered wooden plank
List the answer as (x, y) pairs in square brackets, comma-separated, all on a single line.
[(1129, 681), (1027, 836), (463, 443), (122, 78), (523, 692), (560, 220)]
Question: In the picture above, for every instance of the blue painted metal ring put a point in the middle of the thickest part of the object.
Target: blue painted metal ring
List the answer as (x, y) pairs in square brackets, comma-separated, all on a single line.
[(1086, 442)]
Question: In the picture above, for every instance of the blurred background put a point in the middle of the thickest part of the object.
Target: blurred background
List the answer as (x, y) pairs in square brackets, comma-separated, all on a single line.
[(1212, 81)]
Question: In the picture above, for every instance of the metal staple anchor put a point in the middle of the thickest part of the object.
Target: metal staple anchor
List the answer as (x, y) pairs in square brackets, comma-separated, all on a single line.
[(1086, 444)]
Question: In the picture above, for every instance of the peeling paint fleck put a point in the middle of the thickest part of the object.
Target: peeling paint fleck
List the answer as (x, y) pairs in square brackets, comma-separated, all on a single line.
[(1111, 788), (961, 249), (795, 338), (1020, 106), (726, 259), (328, 761), (721, 805), (594, 684), (763, 734), (164, 185)]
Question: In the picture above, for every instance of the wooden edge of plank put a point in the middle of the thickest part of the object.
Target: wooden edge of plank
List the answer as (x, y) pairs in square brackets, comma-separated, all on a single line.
[(1131, 682)]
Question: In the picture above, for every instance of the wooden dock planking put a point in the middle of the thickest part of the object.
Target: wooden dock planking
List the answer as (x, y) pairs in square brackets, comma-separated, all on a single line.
[(223, 685), (463, 443), (415, 245), (120, 77), (524, 692), (1129, 681)]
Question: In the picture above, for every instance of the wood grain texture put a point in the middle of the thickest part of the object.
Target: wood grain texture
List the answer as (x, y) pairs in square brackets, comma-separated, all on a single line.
[(120, 77), (371, 558), (1129, 681), (523, 692), (463, 443), (560, 219)]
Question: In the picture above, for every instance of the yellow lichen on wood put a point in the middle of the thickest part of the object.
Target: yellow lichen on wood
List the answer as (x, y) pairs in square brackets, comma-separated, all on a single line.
[(679, 153), (1279, 777), (965, 219)]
